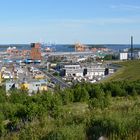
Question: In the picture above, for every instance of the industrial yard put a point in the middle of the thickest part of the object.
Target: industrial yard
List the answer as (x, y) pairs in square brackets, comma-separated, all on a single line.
[(41, 69), (37, 70)]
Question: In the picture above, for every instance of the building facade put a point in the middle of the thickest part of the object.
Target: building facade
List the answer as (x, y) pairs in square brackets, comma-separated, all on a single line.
[(123, 56), (73, 70), (36, 51)]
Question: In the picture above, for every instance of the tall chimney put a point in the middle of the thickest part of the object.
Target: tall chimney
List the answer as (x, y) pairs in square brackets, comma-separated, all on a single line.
[(131, 47)]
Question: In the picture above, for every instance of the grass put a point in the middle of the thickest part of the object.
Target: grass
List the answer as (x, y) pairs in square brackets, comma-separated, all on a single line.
[(76, 108), (130, 70)]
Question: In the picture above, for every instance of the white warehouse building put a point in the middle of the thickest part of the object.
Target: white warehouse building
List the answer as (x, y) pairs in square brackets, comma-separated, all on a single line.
[(88, 72), (91, 72), (73, 70), (123, 56)]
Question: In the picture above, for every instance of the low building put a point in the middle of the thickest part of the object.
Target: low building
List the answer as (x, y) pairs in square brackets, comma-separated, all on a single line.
[(123, 56), (111, 71), (3, 69), (11, 85), (94, 71), (89, 72), (136, 55), (38, 86), (81, 59), (18, 70), (73, 70), (39, 76), (24, 86), (139, 55), (31, 87), (7, 75)]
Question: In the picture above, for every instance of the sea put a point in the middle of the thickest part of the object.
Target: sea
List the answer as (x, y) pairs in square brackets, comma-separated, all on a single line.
[(67, 47)]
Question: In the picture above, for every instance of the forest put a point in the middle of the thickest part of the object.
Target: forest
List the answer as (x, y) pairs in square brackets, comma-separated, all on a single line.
[(84, 112)]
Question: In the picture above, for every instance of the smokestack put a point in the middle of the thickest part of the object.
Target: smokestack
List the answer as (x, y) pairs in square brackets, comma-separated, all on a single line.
[(131, 47)]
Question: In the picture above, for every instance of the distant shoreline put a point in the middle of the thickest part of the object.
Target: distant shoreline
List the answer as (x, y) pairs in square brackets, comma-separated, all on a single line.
[(69, 47)]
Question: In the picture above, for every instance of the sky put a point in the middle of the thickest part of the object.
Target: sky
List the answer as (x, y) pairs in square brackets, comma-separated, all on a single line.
[(69, 21)]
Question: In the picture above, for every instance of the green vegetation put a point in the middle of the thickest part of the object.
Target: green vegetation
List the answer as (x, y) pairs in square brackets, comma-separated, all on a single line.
[(130, 71), (56, 74), (111, 57), (86, 111)]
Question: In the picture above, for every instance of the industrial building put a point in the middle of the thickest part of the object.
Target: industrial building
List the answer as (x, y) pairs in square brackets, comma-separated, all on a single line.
[(86, 72), (79, 47), (123, 56), (73, 70), (36, 51), (94, 71)]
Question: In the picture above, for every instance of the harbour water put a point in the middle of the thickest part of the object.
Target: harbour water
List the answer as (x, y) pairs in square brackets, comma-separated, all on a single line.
[(66, 48)]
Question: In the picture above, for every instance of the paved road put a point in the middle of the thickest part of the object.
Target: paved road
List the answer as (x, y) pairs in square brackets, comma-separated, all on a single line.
[(56, 80)]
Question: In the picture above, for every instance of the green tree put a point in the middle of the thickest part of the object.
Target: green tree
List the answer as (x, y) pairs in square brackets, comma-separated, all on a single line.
[(80, 94)]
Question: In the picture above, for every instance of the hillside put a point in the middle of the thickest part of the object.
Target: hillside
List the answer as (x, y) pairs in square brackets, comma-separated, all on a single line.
[(130, 71), (86, 111)]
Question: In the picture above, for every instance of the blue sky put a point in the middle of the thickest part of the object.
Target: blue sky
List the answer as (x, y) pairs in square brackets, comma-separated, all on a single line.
[(69, 21)]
